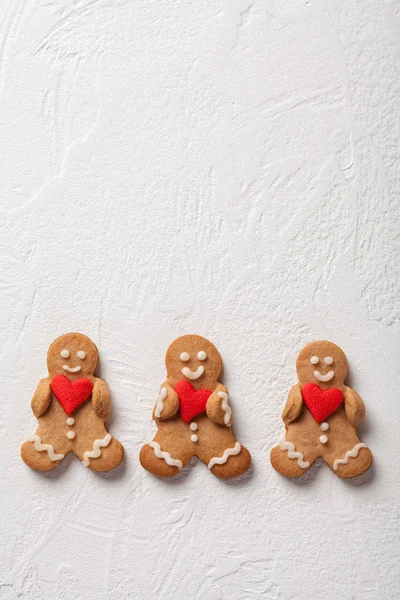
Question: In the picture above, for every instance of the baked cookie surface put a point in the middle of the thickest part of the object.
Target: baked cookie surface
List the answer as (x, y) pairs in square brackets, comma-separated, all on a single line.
[(71, 405), (193, 415), (321, 417)]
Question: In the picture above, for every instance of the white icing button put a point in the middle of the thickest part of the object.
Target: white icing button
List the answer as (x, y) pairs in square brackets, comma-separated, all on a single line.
[(193, 426), (70, 435), (70, 421), (324, 426), (323, 439), (194, 438), (184, 356)]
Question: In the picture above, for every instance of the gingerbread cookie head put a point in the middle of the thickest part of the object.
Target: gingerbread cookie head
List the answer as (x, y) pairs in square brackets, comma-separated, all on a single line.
[(194, 359), (322, 363), (73, 355)]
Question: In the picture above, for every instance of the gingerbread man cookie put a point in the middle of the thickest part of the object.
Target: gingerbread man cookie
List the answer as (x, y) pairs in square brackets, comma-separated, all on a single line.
[(193, 415), (321, 417), (71, 405)]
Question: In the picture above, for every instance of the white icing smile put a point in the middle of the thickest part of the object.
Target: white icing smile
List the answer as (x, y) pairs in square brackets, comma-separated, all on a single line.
[(324, 378), (189, 374), (71, 369)]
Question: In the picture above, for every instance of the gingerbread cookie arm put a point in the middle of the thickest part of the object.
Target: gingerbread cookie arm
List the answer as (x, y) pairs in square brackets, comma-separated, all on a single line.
[(101, 398), (353, 406), (217, 408), (41, 398), (293, 405), (167, 402)]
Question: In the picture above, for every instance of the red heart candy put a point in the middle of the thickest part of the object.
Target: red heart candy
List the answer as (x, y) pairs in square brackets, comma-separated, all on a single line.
[(71, 394), (321, 403), (191, 402)]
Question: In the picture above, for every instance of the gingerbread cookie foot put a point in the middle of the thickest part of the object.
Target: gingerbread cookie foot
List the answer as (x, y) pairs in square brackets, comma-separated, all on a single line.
[(163, 465), (104, 455), (353, 463), (236, 463), (287, 461), (40, 459)]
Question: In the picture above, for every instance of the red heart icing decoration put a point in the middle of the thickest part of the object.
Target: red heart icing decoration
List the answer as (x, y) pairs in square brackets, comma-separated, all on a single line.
[(321, 403), (71, 394), (191, 402)]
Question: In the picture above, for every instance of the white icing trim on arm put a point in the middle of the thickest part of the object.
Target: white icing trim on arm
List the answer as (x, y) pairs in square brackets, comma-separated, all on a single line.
[(160, 402), (45, 447), (221, 460), (193, 374), (291, 450), (225, 407), (172, 462), (324, 378), (349, 454), (96, 452)]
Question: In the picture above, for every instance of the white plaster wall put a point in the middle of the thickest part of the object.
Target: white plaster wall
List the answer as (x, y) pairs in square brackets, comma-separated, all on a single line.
[(223, 167)]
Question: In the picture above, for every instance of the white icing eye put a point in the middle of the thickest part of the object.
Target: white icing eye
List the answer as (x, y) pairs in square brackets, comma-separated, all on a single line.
[(185, 356), (201, 355), (64, 353), (328, 360), (314, 360), (81, 354)]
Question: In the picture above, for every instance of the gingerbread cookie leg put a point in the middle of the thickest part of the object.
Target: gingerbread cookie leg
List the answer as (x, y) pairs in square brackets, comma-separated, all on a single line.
[(100, 454), (222, 453), (288, 460), (166, 455), (40, 456), (230, 463), (350, 462)]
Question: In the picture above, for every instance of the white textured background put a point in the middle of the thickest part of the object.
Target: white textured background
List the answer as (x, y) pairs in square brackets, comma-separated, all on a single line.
[(220, 167)]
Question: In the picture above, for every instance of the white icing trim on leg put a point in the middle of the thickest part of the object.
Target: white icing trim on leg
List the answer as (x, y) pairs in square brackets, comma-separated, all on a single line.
[(160, 402), (291, 450), (225, 407), (96, 452), (45, 447), (221, 460), (172, 462), (349, 454)]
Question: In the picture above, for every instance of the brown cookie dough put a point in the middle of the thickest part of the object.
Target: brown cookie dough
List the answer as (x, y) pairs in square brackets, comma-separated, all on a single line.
[(71, 405), (193, 415), (321, 417)]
